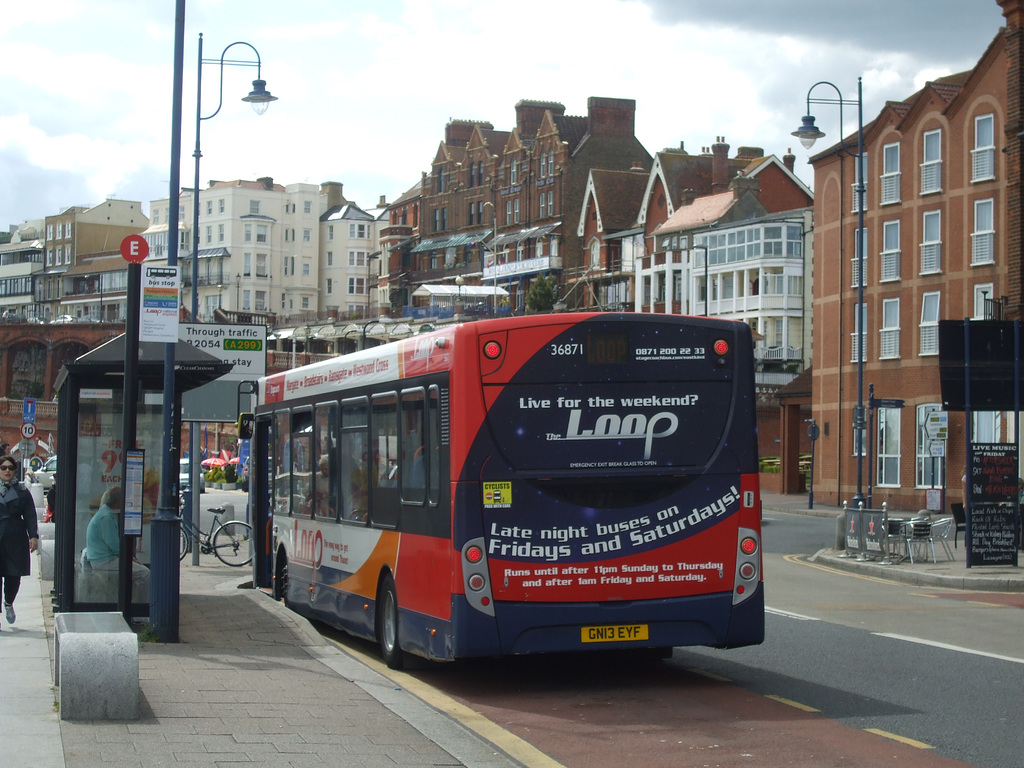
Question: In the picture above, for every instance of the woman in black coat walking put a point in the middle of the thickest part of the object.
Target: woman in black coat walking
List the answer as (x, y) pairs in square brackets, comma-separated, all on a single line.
[(19, 532)]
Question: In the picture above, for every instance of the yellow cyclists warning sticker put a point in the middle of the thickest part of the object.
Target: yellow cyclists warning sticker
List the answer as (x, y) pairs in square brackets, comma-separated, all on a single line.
[(497, 495)]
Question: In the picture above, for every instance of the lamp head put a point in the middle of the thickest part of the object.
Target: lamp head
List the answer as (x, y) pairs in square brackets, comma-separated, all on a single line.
[(259, 97), (808, 132)]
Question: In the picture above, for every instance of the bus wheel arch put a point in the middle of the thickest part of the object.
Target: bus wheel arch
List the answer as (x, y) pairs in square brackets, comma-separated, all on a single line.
[(387, 622)]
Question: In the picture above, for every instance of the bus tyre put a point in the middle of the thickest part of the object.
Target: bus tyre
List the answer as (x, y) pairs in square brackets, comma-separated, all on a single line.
[(387, 624), (281, 577)]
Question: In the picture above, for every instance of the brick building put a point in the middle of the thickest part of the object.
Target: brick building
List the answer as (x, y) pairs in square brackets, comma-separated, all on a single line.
[(518, 191), (938, 236)]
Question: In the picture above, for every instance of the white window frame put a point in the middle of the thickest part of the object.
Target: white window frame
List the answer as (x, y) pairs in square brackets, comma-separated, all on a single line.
[(889, 258), (987, 426), (888, 463), (928, 330), (983, 156), (889, 333), (859, 245), (931, 168), (928, 469), (860, 329), (931, 245), (982, 292), (853, 186), (983, 236), (890, 180)]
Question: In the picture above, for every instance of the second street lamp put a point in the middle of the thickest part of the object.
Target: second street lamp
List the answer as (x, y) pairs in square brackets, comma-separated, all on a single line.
[(259, 97), (808, 133)]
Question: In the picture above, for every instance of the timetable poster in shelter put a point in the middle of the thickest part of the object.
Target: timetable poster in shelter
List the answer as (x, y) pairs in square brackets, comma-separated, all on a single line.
[(158, 308)]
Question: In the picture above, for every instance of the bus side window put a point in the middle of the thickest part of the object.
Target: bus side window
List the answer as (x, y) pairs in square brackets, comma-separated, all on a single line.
[(301, 461), (354, 478), (413, 449), (385, 504), (282, 463), (324, 489)]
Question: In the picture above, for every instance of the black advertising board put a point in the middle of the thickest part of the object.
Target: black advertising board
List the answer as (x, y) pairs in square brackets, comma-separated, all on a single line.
[(993, 534), (991, 356), (992, 516), (993, 472)]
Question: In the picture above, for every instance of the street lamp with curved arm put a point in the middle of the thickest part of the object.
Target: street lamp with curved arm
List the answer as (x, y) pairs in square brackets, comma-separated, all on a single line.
[(260, 99), (808, 133)]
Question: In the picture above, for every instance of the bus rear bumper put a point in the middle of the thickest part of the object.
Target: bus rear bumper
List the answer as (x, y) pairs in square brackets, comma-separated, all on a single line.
[(522, 628)]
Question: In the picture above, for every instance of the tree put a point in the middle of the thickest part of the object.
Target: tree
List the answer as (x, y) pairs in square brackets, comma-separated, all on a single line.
[(543, 294)]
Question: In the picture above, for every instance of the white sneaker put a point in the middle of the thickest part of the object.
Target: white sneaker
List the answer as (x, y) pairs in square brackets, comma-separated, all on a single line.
[(10, 613)]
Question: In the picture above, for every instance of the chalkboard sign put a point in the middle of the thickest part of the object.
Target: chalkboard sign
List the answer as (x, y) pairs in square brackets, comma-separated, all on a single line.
[(993, 534), (993, 472)]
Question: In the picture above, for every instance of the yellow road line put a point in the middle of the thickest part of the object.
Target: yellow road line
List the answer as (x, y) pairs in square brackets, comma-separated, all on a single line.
[(900, 739), (797, 559), (508, 742), (709, 675), (791, 703)]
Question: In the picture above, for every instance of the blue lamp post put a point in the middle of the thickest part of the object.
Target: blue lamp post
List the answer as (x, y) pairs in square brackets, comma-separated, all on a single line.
[(808, 133)]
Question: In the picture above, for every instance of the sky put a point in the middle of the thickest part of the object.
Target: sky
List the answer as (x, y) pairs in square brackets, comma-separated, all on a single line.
[(365, 88)]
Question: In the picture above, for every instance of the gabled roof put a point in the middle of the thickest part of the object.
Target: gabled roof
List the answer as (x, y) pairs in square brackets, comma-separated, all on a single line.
[(616, 197), (760, 164), (349, 211), (680, 171)]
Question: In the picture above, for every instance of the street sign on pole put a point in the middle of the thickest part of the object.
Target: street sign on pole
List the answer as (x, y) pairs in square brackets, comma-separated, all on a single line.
[(936, 425), (28, 410), (28, 430)]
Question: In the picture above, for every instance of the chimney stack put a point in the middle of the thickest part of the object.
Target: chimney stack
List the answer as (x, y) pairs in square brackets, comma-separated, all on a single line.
[(719, 165), (789, 160)]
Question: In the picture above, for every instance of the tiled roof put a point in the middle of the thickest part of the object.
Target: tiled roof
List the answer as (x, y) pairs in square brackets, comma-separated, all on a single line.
[(700, 212), (571, 129), (619, 195)]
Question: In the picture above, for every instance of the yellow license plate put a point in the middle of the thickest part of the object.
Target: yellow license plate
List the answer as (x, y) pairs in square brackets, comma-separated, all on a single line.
[(613, 633)]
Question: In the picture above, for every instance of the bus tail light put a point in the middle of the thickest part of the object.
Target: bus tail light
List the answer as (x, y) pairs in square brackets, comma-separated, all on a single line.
[(748, 564), (721, 347), (492, 350), (475, 577)]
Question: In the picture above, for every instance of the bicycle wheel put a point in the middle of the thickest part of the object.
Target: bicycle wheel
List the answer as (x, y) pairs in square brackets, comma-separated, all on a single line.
[(232, 543), (186, 543)]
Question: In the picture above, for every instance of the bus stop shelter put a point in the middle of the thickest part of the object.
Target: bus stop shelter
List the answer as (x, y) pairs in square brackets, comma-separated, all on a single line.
[(90, 412)]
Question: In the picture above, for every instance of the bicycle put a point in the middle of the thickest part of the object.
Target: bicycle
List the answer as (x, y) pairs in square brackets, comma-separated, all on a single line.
[(231, 542)]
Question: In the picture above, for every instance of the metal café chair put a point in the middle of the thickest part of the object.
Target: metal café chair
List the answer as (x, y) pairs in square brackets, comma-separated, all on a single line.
[(918, 533), (961, 520), (940, 533)]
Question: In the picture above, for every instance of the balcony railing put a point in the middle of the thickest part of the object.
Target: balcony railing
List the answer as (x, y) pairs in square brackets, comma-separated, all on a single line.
[(779, 353)]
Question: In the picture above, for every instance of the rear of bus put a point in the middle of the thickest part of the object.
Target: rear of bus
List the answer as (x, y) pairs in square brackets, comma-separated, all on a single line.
[(606, 489)]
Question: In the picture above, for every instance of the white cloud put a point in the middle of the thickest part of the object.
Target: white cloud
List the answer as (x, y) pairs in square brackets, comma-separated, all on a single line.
[(365, 89)]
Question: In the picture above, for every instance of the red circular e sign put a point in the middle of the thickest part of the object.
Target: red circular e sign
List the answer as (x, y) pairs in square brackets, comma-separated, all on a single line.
[(134, 249)]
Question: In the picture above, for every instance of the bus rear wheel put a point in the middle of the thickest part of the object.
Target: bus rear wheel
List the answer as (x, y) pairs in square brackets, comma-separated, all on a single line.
[(387, 624), (281, 578)]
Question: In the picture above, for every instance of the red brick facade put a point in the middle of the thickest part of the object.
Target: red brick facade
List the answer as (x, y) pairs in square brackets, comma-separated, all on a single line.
[(941, 237)]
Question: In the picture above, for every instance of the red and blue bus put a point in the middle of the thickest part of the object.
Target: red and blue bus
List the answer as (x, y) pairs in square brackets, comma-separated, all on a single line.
[(533, 484)]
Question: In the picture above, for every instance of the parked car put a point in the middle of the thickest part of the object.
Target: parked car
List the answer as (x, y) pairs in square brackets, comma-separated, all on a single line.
[(183, 476), (45, 474), (63, 319)]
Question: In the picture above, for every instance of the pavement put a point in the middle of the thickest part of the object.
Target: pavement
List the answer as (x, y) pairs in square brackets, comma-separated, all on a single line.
[(252, 682)]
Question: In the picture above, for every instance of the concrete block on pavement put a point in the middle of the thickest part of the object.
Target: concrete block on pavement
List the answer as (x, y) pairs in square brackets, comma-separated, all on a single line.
[(96, 666)]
